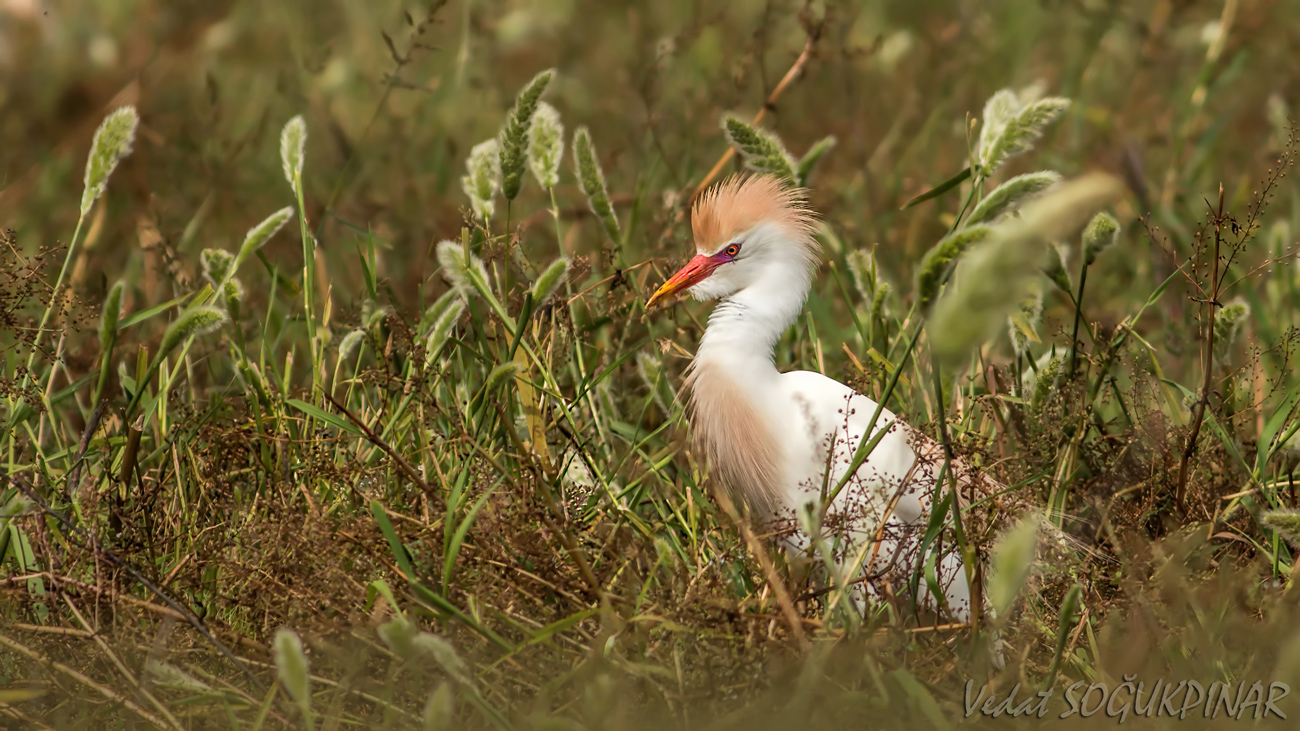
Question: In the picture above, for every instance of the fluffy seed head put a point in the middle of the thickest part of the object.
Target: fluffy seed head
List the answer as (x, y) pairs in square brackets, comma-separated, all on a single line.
[(483, 178), (862, 265), (258, 235), (1279, 238), (993, 278), (546, 145), (500, 375), (592, 180), (1286, 523), (549, 281), (1058, 264), (1101, 233), (292, 669), (444, 654), (451, 257), (651, 373), (436, 309), (761, 150), (350, 343), (1228, 324), (110, 315), (438, 709), (1008, 135), (1012, 559), (1011, 195), (170, 675), (440, 333), (192, 323), (216, 264), (112, 142), (232, 293), (293, 140), (937, 262), (1023, 322), (1000, 109)]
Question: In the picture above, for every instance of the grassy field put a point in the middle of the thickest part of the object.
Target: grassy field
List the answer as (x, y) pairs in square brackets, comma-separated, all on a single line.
[(339, 406)]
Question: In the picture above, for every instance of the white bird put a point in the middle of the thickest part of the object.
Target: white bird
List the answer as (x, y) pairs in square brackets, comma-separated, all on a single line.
[(779, 440)]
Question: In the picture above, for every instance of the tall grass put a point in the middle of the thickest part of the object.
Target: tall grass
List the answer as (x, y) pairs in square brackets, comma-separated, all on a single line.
[(428, 466)]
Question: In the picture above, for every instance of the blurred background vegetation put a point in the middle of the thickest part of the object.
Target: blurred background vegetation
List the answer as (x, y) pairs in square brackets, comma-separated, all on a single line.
[(591, 582)]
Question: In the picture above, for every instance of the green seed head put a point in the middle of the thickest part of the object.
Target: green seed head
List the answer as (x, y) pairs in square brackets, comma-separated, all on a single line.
[(399, 634), (442, 328), (549, 281), (500, 375), (258, 235), (172, 676), (1012, 561), (293, 140), (1009, 133), (936, 263), (514, 135), (1279, 238), (1042, 382), (1023, 322), (292, 669), (997, 275), (351, 343), (1009, 196), (451, 257), (216, 265), (1229, 321), (444, 654), (192, 323), (436, 309), (1101, 233), (1058, 264), (999, 110), (110, 315), (761, 150), (546, 145), (439, 709), (1286, 523), (233, 294), (112, 142), (862, 265), (482, 178), (592, 179)]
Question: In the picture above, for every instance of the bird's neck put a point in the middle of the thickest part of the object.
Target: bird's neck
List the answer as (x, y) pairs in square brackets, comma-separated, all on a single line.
[(743, 328), (736, 410)]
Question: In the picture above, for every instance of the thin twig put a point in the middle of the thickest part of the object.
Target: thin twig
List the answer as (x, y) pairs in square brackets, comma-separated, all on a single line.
[(1207, 359), (374, 439)]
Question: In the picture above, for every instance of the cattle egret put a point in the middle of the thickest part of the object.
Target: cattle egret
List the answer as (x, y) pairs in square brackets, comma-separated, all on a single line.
[(779, 440)]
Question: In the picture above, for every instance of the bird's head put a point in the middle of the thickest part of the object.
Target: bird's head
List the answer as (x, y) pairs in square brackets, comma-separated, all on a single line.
[(746, 228)]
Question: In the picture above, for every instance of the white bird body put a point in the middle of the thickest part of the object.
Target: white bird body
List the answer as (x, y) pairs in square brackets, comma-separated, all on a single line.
[(780, 441)]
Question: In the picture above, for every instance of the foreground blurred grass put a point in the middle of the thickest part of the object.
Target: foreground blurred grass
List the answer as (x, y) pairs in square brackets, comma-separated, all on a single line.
[(527, 497)]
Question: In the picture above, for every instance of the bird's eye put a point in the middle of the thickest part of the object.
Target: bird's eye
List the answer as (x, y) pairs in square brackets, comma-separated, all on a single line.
[(732, 250)]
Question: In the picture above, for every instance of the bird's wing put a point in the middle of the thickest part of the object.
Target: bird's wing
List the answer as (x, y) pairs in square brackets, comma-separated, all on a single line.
[(887, 498), (905, 463), (829, 423)]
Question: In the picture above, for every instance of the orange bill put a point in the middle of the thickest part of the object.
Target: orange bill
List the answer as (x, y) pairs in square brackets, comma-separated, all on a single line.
[(695, 271)]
